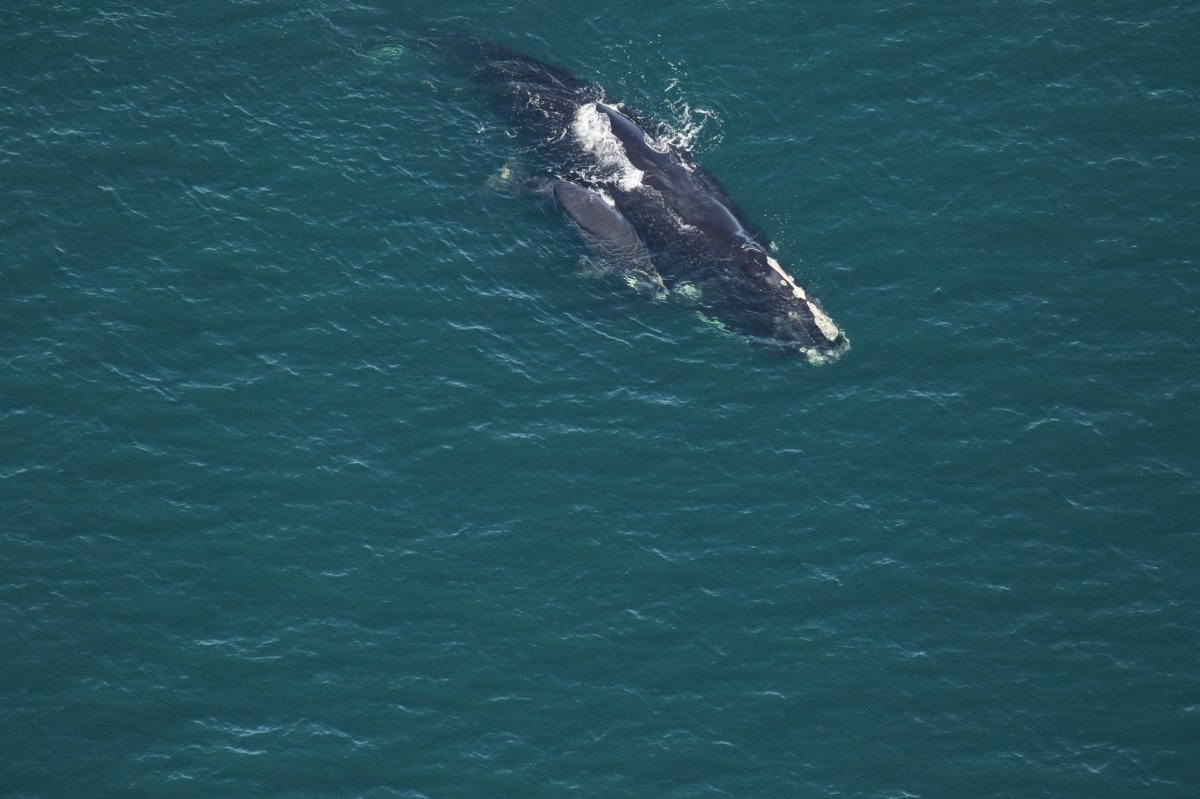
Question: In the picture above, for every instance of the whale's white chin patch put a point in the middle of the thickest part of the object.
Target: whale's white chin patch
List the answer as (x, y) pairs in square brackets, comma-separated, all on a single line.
[(592, 129)]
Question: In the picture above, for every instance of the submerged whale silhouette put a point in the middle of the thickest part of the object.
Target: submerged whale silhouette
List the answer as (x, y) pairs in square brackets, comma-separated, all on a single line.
[(649, 204)]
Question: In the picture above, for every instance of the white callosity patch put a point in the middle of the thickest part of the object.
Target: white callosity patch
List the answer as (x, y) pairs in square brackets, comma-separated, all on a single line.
[(786, 279), (593, 131), (828, 329)]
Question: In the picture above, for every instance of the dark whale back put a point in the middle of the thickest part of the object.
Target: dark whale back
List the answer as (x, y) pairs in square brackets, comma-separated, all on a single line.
[(533, 92)]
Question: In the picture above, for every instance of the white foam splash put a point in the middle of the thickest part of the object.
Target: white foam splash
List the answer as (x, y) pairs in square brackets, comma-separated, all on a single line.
[(593, 130), (688, 126)]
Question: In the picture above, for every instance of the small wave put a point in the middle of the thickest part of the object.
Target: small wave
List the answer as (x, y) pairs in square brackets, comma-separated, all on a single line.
[(689, 127)]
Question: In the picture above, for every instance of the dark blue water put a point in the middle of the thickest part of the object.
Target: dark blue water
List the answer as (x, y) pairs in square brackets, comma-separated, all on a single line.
[(325, 472)]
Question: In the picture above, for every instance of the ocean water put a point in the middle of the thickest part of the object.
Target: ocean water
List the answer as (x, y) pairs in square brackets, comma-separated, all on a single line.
[(324, 472)]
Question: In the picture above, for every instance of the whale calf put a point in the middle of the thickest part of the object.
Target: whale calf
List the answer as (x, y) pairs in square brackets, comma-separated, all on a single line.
[(611, 235), (596, 215), (649, 204)]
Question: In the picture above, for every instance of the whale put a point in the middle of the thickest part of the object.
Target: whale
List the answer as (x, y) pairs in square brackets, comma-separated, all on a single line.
[(649, 205), (606, 230)]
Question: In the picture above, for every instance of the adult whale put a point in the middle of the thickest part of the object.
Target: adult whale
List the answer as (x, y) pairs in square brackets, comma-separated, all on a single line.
[(631, 191)]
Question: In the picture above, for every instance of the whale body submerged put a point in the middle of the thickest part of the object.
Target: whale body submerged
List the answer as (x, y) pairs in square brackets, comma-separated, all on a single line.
[(649, 204)]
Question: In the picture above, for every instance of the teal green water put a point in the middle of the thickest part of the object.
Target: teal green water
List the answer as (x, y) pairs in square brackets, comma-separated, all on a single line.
[(325, 474)]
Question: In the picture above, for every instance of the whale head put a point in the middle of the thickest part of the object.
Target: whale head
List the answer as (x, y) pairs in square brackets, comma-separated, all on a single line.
[(807, 330), (798, 323)]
